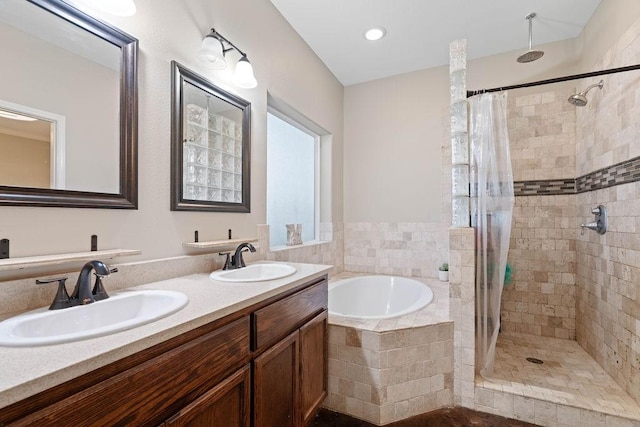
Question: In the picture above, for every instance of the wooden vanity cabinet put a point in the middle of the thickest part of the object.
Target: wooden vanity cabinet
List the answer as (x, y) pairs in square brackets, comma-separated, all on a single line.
[(314, 359), (265, 366), (290, 376), (227, 404), (275, 384), (152, 391)]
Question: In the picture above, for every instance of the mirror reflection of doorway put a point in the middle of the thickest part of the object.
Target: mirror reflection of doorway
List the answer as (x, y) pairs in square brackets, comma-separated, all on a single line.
[(31, 147)]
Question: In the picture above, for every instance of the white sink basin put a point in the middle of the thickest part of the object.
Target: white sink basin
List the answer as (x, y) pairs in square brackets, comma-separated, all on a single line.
[(122, 311), (254, 273)]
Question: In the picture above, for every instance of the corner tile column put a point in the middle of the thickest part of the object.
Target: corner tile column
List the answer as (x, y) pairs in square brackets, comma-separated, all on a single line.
[(462, 311), (461, 237)]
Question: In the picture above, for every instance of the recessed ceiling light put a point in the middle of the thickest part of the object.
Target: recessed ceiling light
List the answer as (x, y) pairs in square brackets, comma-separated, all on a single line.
[(375, 33)]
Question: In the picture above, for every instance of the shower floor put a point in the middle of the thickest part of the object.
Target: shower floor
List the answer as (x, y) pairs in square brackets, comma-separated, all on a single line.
[(568, 376)]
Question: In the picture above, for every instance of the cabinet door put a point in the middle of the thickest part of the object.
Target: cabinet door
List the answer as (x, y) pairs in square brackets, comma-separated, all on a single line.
[(275, 385), (313, 366), (227, 404), (150, 392)]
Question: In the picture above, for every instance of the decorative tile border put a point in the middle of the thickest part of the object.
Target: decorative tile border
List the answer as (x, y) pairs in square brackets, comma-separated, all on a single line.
[(545, 187), (621, 173)]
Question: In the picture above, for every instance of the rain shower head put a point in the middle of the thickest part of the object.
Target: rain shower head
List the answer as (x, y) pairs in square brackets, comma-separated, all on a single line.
[(580, 99), (530, 55)]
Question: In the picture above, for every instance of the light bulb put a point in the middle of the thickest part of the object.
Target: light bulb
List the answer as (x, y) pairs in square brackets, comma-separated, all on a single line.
[(211, 54), (375, 33), (243, 76)]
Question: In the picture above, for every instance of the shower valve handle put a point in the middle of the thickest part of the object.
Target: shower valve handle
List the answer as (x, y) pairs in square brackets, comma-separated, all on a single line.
[(600, 223)]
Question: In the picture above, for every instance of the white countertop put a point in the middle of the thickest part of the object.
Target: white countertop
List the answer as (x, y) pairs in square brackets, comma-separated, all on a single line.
[(27, 371)]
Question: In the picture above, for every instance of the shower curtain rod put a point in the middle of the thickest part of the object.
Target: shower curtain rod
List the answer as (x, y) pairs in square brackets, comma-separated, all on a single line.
[(471, 93)]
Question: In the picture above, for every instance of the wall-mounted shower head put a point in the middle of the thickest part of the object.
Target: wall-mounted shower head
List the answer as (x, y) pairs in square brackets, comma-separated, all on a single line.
[(530, 55), (580, 99)]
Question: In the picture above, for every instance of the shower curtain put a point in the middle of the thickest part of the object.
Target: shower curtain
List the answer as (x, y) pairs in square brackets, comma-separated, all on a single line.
[(492, 202)]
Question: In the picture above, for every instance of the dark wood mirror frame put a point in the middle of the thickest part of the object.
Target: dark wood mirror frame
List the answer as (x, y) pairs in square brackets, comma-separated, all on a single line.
[(180, 75), (127, 198)]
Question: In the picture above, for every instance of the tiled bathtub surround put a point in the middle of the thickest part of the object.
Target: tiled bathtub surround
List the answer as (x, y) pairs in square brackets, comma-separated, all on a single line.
[(405, 249), (541, 299), (390, 369)]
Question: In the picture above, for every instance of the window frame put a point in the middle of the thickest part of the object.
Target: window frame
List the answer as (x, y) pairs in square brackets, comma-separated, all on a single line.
[(316, 173)]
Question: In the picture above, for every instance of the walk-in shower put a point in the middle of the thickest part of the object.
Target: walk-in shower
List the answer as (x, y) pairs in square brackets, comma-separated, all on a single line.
[(580, 99)]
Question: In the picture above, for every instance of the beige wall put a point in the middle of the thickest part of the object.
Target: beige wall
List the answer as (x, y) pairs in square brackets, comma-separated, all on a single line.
[(607, 25), (394, 131), (24, 161), (168, 30)]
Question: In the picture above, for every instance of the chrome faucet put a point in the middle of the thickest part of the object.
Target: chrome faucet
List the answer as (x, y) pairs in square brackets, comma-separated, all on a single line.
[(236, 258)]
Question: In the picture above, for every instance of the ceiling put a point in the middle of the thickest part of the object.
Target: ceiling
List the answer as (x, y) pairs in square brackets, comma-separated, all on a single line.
[(419, 31)]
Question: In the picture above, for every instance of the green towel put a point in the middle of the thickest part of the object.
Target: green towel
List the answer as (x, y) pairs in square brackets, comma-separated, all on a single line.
[(508, 275)]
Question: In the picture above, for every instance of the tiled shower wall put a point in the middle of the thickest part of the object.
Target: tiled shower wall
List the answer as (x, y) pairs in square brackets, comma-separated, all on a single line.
[(608, 307), (542, 133), (541, 298), (608, 266), (402, 249)]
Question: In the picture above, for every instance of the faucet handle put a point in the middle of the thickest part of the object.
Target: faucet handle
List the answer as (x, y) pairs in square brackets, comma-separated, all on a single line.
[(99, 292), (227, 261), (61, 299)]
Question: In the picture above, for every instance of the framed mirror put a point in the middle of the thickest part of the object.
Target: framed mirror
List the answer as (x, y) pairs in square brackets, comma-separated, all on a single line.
[(68, 108), (210, 146)]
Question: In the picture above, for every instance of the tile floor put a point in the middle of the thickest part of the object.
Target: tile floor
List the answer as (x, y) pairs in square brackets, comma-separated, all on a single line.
[(568, 375), (446, 417)]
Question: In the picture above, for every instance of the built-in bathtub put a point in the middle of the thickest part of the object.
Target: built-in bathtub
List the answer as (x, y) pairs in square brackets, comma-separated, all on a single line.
[(377, 297), (384, 367)]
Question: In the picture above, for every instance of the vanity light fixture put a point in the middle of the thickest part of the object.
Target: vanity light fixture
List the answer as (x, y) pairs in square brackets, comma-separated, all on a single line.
[(212, 56), (375, 33)]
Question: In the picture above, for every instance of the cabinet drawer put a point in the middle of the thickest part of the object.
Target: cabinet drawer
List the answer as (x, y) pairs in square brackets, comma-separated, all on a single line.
[(150, 392), (276, 320)]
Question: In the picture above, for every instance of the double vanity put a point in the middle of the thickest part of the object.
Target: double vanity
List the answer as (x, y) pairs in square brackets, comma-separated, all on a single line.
[(246, 352)]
